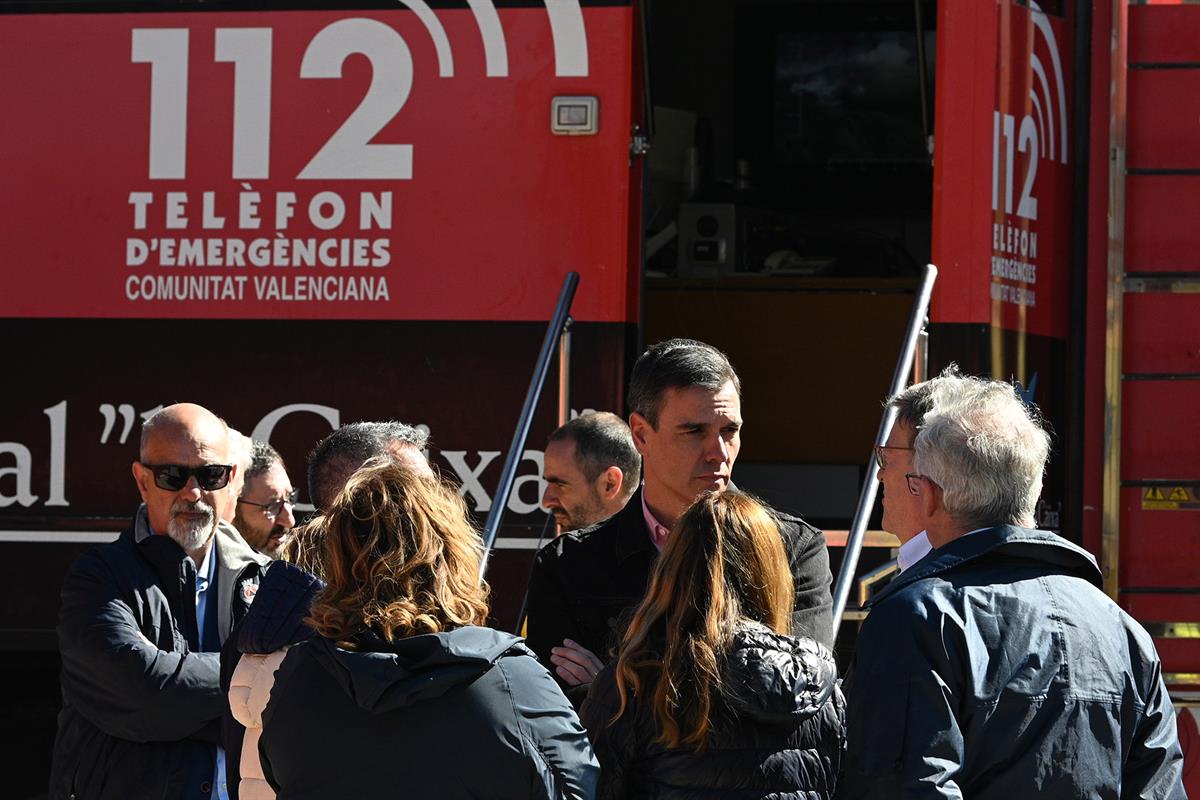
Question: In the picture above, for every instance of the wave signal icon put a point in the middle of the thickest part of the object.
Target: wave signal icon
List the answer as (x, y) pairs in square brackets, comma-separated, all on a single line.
[(1051, 101), (566, 28)]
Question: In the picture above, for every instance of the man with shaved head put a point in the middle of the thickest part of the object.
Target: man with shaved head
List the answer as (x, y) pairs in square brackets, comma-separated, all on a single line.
[(142, 621)]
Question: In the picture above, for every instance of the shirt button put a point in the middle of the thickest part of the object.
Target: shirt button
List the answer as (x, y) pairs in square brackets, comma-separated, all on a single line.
[(206, 787)]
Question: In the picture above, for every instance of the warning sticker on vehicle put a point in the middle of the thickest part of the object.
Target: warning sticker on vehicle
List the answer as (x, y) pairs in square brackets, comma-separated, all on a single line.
[(1170, 498)]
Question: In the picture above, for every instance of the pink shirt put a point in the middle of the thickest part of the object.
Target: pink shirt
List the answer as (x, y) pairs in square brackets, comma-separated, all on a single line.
[(658, 532)]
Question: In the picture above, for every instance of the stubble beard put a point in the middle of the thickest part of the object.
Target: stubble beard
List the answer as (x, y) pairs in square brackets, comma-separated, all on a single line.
[(271, 550)]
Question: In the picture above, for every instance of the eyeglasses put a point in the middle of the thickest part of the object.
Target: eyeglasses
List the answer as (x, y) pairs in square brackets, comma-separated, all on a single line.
[(173, 477), (273, 508), (914, 482), (881, 454)]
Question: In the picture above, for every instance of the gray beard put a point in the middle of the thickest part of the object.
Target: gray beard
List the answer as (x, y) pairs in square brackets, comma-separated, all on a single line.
[(191, 536)]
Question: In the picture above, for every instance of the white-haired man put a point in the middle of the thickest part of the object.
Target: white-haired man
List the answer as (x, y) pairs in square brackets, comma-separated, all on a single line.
[(996, 667)]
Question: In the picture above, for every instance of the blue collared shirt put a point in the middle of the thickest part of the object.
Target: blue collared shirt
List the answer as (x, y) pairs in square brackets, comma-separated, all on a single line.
[(204, 577)]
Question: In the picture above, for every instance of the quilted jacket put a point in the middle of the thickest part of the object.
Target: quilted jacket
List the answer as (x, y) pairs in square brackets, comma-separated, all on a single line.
[(779, 730)]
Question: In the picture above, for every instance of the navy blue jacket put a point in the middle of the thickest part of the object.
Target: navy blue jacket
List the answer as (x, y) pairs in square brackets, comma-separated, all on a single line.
[(141, 703), (996, 668)]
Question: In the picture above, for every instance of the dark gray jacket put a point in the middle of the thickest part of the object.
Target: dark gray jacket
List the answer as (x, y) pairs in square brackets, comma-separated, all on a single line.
[(778, 730), (141, 705), (996, 668), (585, 582), (469, 713)]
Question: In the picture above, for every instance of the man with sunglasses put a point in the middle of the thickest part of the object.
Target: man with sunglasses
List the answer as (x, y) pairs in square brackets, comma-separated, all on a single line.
[(142, 621), (264, 514), (997, 667)]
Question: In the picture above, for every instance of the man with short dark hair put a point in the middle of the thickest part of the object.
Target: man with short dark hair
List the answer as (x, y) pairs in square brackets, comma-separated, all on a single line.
[(341, 453), (686, 420), (996, 667), (264, 514), (591, 468), (142, 621)]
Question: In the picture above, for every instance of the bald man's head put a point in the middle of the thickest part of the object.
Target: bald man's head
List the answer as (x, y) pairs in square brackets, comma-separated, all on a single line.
[(182, 421), (183, 473)]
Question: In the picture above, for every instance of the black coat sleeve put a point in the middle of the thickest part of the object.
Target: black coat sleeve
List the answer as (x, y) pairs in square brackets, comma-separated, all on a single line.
[(903, 736), (115, 675), (615, 743), (1154, 765), (548, 619), (809, 560), (561, 756)]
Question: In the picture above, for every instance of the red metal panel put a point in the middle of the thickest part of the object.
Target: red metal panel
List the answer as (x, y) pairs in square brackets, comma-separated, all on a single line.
[(1159, 548), (1162, 333), (1179, 655), (962, 215), (481, 224), (1161, 233), (1162, 607), (1160, 430), (1164, 119), (1164, 34)]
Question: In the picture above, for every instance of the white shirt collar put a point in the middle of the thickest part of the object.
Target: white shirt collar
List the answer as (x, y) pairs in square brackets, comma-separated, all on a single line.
[(913, 551)]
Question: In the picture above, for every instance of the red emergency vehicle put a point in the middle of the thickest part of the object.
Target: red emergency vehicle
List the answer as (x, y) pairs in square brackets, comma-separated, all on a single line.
[(301, 214)]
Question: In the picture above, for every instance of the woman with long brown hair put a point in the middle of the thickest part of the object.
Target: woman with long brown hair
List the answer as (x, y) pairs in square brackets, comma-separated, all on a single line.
[(401, 692), (709, 695)]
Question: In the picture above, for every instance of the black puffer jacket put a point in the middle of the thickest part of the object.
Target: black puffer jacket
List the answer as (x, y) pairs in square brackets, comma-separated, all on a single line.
[(468, 713), (778, 730)]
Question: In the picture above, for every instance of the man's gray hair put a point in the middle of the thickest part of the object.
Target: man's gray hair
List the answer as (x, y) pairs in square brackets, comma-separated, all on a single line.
[(676, 364), (987, 450), (341, 453), (241, 449), (262, 457), (915, 402)]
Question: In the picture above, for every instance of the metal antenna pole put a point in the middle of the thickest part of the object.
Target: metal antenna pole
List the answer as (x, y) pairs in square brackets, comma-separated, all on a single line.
[(564, 374), (517, 448), (866, 498)]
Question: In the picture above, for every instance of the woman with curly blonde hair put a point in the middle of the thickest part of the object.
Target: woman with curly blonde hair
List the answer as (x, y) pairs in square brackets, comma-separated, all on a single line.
[(402, 692)]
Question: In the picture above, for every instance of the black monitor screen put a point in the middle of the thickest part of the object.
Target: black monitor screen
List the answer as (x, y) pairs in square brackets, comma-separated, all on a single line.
[(828, 101), (848, 97)]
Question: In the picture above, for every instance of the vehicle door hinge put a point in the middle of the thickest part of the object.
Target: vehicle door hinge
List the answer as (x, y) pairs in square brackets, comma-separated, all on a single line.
[(639, 145)]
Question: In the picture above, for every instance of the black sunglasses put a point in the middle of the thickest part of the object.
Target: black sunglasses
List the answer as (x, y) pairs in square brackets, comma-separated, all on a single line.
[(173, 477)]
